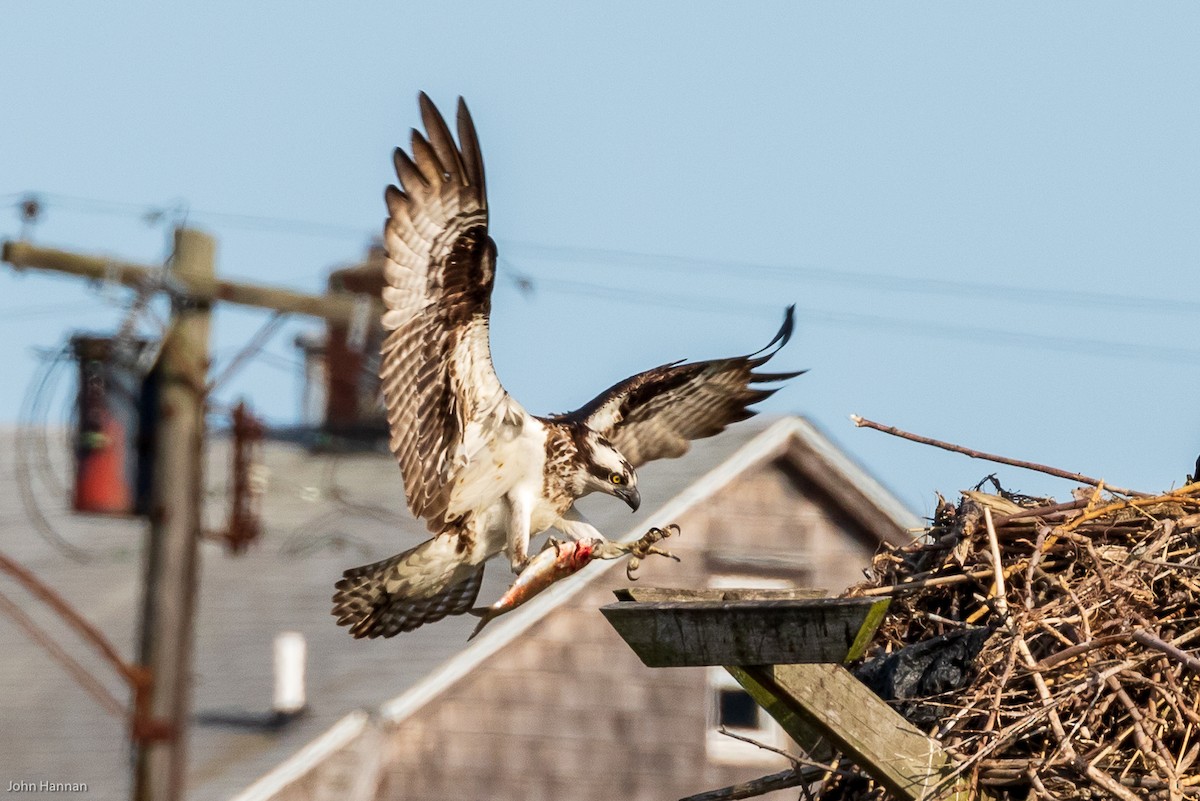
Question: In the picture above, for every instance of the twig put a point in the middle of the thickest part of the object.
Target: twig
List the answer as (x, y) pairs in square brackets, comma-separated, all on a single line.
[(1001, 686), (1150, 641), (1001, 593), (795, 760), (1036, 782), (1080, 702), (1150, 745), (991, 457), (765, 784), (1053, 510), (798, 761), (939, 581), (1172, 565), (1067, 654), (1097, 775), (802, 772)]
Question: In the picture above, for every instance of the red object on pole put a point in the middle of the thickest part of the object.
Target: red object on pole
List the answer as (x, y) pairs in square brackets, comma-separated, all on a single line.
[(101, 485), (105, 458)]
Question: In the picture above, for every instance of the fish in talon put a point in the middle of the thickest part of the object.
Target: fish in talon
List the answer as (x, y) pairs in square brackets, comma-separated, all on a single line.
[(550, 565)]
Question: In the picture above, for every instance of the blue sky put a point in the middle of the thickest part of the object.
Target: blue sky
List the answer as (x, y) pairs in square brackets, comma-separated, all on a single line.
[(987, 215)]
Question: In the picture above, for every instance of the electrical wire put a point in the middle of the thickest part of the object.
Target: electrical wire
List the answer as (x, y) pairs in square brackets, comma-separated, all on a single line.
[(313, 534), (82, 676), (32, 455), (525, 281), (857, 321), (280, 362), (36, 425), (256, 222), (863, 280), (33, 466), (54, 310), (177, 211), (654, 262), (34, 471), (252, 348)]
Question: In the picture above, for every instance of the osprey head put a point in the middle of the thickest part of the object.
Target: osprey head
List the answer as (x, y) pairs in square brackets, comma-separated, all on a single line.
[(606, 470)]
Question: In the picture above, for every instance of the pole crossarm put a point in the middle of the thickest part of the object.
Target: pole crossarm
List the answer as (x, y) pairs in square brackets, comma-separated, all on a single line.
[(341, 308)]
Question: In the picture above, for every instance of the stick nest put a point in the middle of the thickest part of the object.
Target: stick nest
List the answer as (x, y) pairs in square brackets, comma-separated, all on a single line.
[(1084, 686)]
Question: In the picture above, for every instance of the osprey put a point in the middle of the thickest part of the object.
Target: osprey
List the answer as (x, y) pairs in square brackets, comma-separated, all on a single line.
[(484, 473)]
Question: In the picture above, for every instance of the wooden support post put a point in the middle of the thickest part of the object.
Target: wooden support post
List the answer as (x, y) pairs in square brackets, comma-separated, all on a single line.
[(172, 553), (826, 700), (788, 653)]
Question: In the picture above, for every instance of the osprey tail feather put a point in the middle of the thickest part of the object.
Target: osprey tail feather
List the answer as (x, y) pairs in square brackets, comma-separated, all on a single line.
[(421, 585)]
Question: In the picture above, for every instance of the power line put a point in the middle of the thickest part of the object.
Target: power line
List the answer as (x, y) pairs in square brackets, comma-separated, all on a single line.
[(863, 280), (290, 226), (176, 210), (649, 262), (79, 673), (253, 347), (281, 362), (31, 454), (655, 262), (856, 320), (54, 310)]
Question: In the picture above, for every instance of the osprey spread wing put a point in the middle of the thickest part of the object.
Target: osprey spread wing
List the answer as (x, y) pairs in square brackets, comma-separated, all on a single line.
[(483, 473)]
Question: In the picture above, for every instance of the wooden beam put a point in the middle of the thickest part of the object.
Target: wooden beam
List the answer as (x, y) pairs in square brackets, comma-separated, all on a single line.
[(340, 308), (809, 737), (713, 594), (826, 701), (816, 701), (746, 632)]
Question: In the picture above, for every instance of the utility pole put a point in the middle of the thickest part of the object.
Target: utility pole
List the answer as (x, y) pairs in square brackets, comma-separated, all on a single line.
[(171, 569), (171, 557)]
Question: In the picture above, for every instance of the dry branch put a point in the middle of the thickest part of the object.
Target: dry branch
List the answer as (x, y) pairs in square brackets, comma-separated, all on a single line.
[(991, 457), (803, 772), (755, 787)]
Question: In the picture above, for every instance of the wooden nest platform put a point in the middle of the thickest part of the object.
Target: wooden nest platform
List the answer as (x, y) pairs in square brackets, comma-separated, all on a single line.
[(1080, 617)]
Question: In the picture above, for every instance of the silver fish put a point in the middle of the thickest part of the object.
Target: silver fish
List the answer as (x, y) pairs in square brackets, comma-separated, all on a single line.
[(554, 562)]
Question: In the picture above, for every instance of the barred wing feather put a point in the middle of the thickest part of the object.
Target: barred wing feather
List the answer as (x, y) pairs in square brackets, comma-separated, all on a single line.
[(656, 414), (436, 368)]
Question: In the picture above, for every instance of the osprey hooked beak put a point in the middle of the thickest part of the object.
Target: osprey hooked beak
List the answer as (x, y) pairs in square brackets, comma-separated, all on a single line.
[(631, 496)]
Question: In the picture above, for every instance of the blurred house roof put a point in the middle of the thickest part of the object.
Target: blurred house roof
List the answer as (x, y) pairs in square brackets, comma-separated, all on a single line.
[(322, 514)]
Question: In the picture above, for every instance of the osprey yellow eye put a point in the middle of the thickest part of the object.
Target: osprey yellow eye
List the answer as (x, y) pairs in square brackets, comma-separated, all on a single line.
[(616, 478)]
